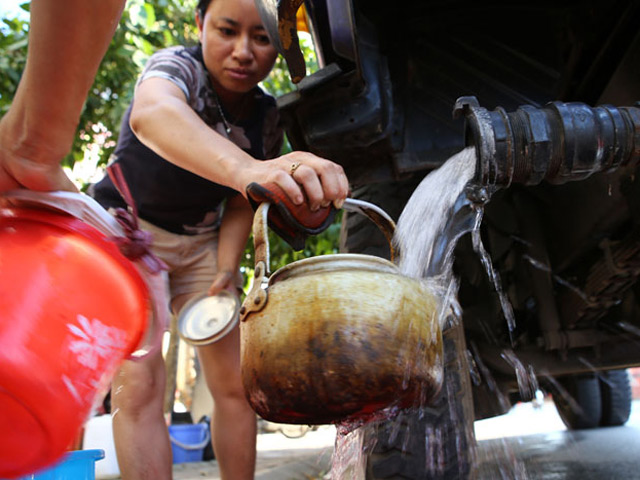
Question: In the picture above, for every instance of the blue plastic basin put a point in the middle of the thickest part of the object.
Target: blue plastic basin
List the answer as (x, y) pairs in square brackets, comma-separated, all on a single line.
[(75, 465)]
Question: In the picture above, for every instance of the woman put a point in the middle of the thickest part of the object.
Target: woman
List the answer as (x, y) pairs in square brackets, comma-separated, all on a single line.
[(193, 139)]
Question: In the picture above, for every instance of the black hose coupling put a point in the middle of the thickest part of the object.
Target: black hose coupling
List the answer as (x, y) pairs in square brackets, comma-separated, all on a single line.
[(559, 142)]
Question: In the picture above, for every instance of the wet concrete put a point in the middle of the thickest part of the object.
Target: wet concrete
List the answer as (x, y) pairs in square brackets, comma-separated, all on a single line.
[(528, 443), (603, 454), (557, 454)]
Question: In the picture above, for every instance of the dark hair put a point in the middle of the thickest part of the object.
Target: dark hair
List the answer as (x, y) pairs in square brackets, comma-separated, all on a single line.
[(202, 7)]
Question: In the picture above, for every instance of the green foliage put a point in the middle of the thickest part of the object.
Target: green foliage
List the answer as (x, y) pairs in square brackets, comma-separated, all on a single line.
[(13, 56), (145, 26)]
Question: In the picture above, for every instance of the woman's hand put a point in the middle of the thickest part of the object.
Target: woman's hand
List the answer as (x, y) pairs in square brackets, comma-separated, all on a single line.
[(30, 158), (18, 172), (225, 280), (304, 177)]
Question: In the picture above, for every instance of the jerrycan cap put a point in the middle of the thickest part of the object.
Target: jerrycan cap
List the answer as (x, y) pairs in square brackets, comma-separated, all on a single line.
[(207, 319)]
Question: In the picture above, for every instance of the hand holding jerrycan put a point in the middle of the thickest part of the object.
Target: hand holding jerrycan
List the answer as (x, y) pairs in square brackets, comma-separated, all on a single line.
[(72, 307)]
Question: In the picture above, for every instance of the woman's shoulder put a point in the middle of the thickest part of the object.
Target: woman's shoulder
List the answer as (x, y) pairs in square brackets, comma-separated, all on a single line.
[(177, 52), (179, 64)]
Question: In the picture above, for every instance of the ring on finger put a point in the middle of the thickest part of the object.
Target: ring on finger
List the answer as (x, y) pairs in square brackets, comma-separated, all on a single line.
[(294, 167)]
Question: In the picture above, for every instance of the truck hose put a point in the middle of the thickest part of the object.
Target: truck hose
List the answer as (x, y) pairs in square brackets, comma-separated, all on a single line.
[(559, 142)]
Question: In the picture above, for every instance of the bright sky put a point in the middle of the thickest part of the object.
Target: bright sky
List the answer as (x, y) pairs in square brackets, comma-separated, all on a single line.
[(12, 8)]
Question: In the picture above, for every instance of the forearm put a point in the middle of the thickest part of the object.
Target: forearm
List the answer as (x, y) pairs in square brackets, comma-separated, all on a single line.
[(176, 133), (67, 41), (162, 119), (234, 233)]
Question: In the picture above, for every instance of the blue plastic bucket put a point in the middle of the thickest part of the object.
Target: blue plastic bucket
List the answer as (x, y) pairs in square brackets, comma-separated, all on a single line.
[(76, 465), (188, 441)]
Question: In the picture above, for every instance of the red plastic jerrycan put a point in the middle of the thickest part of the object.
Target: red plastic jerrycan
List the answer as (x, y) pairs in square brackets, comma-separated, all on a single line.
[(72, 307)]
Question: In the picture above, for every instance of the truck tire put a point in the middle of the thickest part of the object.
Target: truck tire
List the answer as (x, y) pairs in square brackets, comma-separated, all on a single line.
[(615, 388), (436, 442), (583, 408)]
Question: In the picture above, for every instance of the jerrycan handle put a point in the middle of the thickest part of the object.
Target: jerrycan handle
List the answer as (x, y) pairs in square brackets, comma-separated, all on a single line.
[(261, 238)]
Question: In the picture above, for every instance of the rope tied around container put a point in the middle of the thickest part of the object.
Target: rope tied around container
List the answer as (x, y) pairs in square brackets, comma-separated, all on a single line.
[(136, 243)]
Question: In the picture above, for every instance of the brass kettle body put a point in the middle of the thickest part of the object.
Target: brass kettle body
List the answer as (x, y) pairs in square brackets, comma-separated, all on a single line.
[(337, 337)]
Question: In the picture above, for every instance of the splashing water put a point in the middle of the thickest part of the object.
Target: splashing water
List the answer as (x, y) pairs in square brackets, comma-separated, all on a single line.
[(349, 457), (421, 235), (442, 209), (478, 247), (437, 214)]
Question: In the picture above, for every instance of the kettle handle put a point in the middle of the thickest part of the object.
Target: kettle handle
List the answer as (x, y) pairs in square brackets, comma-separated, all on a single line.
[(378, 216), (261, 238), (258, 295)]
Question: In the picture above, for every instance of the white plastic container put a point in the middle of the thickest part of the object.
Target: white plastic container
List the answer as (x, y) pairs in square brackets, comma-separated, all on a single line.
[(98, 434)]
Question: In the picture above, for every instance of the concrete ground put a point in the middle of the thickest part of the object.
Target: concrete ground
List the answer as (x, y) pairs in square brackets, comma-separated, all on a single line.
[(279, 458), (309, 457)]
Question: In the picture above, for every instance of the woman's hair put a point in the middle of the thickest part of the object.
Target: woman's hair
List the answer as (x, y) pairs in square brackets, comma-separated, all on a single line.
[(202, 7)]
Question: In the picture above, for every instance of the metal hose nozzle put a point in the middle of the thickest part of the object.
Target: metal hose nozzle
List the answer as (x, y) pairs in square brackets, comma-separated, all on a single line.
[(559, 142)]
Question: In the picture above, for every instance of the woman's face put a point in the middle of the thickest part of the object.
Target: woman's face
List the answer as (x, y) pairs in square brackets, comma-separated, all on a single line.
[(236, 49)]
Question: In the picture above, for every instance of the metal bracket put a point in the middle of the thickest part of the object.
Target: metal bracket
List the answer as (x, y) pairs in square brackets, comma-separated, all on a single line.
[(257, 297)]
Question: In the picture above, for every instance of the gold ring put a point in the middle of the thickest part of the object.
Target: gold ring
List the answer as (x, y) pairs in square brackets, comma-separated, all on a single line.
[(294, 167)]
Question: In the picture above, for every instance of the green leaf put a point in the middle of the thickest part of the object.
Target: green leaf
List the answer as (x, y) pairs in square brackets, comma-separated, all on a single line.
[(142, 16), (150, 14), (20, 44)]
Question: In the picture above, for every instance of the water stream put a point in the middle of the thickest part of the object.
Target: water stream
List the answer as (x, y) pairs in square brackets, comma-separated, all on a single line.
[(441, 210), (435, 216)]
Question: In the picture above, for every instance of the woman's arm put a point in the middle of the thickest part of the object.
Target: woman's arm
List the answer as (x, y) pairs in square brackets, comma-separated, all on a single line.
[(67, 41), (234, 232), (163, 121)]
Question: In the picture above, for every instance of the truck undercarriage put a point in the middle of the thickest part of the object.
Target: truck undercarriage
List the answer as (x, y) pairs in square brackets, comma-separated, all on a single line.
[(568, 255)]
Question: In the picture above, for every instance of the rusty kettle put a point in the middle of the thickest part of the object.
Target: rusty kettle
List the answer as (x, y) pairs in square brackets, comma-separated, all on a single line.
[(337, 337)]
